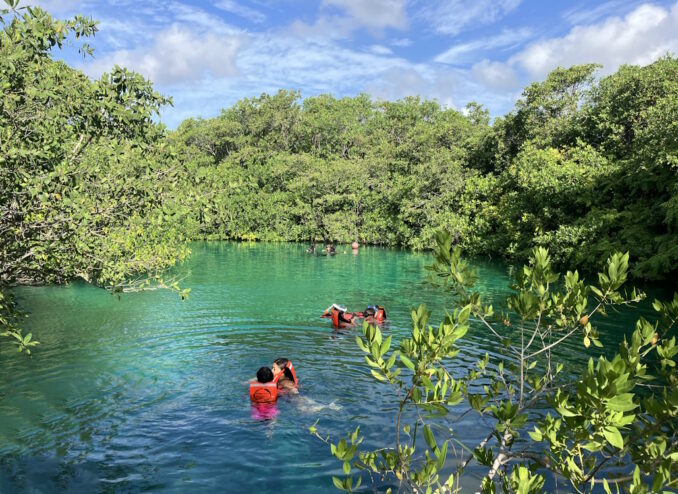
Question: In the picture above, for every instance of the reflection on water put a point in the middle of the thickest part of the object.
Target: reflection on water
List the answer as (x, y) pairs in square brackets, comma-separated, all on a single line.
[(147, 392)]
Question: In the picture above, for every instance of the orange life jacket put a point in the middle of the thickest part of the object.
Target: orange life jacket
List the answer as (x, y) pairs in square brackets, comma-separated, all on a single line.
[(263, 392), (380, 314), (339, 318), (282, 373)]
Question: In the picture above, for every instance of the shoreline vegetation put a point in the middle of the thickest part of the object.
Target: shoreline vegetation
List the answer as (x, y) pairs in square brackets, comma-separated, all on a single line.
[(583, 167), (611, 425), (93, 187)]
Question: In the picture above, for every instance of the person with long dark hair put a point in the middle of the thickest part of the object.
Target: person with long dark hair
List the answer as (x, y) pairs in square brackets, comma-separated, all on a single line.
[(284, 375)]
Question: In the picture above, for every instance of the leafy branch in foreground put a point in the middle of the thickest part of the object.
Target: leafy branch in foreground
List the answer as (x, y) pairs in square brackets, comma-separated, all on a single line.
[(613, 426), (88, 186), (9, 317)]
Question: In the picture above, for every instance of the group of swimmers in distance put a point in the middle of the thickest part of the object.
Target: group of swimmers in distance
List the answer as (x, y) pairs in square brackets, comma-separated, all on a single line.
[(330, 249), (341, 318)]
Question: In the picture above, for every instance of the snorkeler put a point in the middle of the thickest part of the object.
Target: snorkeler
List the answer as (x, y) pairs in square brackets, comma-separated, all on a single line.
[(281, 379), (340, 318), (374, 314)]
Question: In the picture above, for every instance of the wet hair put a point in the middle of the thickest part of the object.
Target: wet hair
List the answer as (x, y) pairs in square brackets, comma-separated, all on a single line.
[(264, 375), (282, 363)]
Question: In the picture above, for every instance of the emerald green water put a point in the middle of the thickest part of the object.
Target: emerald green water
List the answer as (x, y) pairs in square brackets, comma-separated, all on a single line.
[(148, 393)]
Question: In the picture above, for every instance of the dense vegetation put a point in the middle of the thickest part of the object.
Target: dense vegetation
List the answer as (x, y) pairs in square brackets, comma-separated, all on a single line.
[(580, 166), (613, 426), (92, 187), (86, 186)]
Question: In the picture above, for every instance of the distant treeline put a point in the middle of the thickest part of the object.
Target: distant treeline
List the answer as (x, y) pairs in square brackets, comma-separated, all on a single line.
[(583, 166)]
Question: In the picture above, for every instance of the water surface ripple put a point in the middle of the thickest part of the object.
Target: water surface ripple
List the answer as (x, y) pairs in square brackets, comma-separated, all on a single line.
[(147, 393)]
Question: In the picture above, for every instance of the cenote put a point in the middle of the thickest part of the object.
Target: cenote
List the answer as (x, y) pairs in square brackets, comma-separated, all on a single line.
[(148, 393)]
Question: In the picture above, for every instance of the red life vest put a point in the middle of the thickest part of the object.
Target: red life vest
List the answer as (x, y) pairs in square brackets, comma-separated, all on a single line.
[(342, 318), (263, 392), (282, 373), (381, 314)]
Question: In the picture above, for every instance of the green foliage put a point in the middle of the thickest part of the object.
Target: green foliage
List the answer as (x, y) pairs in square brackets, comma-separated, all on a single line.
[(87, 186), (9, 319), (616, 424), (91, 187), (327, 169), (548, 113), (583, 167)]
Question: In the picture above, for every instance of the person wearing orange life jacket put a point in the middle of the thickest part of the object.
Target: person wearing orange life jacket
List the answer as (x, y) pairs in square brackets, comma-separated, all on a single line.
[(375, 314), (333, 310), (284, 375), (340, 317), (264, 389)]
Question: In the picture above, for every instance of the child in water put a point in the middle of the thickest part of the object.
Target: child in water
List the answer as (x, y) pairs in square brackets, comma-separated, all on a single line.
[(264, 411), (265, 375)]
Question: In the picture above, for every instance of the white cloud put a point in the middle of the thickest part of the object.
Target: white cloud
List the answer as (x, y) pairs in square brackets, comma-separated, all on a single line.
[(241, 10), (401, 42), (374, 14), (495, 75), (199, 20), (454, 16), (178, 55), (415, 81), (645, 34), (118, 33), (586, 14), (642, 36), (380, 50), (318, 65), (325, 27), (465, 52)]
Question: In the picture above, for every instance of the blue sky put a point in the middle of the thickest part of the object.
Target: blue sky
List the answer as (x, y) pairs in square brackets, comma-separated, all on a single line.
[(209, 54)]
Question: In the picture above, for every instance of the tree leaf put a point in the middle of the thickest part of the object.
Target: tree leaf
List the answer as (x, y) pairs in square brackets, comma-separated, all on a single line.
[(408, 363), (614, 437)]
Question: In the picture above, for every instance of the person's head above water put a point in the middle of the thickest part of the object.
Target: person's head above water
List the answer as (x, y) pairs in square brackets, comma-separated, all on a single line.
[(280, 364), (264, 375)]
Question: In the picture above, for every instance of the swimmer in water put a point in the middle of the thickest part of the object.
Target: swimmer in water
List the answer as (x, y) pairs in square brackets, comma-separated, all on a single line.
[(265, 375), (263, 394), (289, 383), (283, 371)]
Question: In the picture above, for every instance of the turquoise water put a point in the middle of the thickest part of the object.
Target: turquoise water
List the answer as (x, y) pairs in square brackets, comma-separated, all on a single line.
[(149, 393)]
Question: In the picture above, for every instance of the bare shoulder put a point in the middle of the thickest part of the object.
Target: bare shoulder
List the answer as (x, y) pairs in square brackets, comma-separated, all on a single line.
[(287, 384)]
